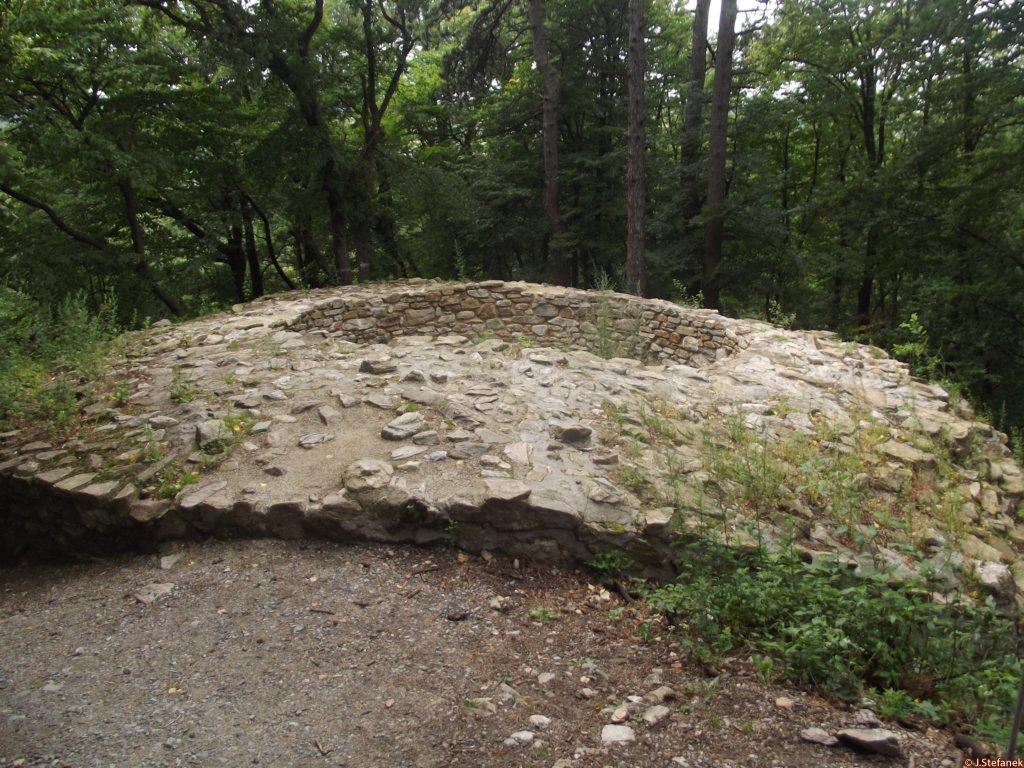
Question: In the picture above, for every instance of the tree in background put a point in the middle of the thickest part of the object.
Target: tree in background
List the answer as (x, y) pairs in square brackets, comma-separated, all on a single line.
[(691, 198), (718, 125), (636, 179), (560, 272), (181, 155)]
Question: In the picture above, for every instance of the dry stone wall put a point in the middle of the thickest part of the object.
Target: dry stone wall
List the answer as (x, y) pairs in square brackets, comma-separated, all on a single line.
[(598, 321)]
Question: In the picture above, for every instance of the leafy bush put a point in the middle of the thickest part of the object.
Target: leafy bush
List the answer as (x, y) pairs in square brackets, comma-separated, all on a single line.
[(848, 634), (612, 564), (917, 350), (46, 354)]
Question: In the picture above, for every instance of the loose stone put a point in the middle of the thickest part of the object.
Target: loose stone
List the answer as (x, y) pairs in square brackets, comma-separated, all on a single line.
[(378, 367), (314, 439), (656, 714), (405, 426), (877, 740), (367, 475), (571, 433), (818, 736), (617, 734)]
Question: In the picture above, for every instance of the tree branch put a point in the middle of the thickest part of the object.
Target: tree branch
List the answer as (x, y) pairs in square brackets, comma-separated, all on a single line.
[(141, 266), (310, 30), (58, 221), (271, 254)]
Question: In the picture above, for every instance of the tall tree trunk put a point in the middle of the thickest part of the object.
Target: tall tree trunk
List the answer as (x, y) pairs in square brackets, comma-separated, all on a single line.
[(251, 254), (690, 144), (300, 258), (268, 238), (234, 248), (559, 267), (867, 283), (838, 269), (636, 278), (336, 224), (967, 74), (718, 125), (236, 262), (363, 224), (874, 150)]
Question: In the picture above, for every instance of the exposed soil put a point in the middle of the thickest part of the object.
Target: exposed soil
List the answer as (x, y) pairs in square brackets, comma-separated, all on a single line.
[(292, 654)]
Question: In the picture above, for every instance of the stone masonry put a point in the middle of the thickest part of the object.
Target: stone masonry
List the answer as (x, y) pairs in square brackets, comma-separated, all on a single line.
[(658, 330), (549, 423)]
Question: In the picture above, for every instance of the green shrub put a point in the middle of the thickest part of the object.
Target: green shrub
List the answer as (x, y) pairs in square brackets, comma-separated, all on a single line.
[(45, 355), (847, 634), (612, 564)]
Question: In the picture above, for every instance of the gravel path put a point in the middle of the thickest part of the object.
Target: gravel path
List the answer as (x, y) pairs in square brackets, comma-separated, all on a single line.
[(292, 654)]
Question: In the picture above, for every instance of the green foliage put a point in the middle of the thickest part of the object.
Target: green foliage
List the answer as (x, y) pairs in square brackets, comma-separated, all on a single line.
[(825, 627), (764, 668), (612, 564), (775, 314), (1017, 444), (616, 334), (46, 355), (542, 613), (875, 173), (238, 425), (915, 349), (182, 390), (681, 296), (171, 481)]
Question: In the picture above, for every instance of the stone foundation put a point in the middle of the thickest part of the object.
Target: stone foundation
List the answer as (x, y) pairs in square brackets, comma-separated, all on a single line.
[(610, 324), (511, 417)]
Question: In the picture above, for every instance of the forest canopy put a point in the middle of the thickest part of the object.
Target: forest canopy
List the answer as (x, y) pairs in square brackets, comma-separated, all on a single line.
[(839, 164)]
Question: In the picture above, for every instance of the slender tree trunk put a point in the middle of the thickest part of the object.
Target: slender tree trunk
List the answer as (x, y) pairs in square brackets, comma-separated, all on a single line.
[(636, 278), (689, 149), (967, 74), (714, 233), (300, 257), (268, 238), (251, 254), (385, 224), (559, 267), (336, 224), (362, 229), (838, 269), (142, 268), (874, 149), (236, 261), (234, 249)]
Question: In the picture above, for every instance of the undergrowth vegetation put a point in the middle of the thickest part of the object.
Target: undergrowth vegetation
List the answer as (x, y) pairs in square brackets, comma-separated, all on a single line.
[(849, 626), (47, 354), (850, 635)]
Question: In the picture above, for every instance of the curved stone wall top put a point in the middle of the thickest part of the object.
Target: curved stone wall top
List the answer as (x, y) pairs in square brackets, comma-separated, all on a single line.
[(612, 324)]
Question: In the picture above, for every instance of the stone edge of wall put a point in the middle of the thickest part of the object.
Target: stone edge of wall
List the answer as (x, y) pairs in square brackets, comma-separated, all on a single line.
[(78, 516), (650, 329)]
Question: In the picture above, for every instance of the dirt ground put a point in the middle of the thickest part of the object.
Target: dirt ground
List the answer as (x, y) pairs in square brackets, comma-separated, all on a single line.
[(311, 654)]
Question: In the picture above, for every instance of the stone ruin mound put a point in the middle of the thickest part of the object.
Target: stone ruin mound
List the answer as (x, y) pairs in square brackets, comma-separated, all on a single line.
[(545, 422)]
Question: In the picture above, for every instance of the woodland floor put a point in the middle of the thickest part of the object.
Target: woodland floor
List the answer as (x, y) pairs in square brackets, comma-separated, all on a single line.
[(292, 654)]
